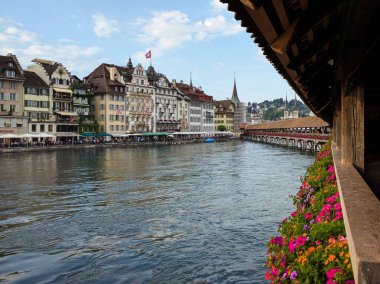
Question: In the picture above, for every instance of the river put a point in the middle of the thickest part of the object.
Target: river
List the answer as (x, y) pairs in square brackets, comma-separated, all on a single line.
[(199, 213)]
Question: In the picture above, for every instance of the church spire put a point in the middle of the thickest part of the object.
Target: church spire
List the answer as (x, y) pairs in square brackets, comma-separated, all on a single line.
[(191, 80), (295, 102), (235, 98), (286, 101), (129, 64)]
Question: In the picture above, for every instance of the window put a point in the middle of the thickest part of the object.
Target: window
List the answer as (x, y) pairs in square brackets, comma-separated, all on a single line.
[(42, 128), (12, 97), (101, 117), (117, 127), (111, 97), (12, 85), (34, 128), (10, 73), (111, 107), (2, 108), (1, 84), (50, 128), (111, 127), (112, 117), (102, 107), (102, 97), (142, 82)]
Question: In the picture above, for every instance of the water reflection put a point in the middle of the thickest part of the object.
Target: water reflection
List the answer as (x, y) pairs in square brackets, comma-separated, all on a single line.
[(184, 213)]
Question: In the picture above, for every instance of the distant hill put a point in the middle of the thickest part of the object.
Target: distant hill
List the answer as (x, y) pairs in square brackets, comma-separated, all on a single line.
[(274, 110)]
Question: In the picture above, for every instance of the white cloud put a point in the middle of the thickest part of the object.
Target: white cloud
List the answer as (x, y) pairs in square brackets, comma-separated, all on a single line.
[(26, 45), (103, 26), (167, 30), (218, 6)]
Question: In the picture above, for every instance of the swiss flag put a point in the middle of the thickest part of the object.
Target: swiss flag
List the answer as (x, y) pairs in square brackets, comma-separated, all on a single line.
[(148, 54)]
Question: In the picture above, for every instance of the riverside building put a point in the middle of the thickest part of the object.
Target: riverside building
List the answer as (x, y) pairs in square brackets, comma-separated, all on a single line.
[(140, 99), (224, 114), (108, 104), (12, 119), (165, 102), (201, 108), (82, 97), (60, 97), (37, 104)]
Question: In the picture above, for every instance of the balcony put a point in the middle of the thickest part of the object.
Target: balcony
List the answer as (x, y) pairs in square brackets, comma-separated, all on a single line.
[(62, 97)]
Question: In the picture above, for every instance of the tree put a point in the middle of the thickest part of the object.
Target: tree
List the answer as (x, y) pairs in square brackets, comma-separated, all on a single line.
[(222, 127)]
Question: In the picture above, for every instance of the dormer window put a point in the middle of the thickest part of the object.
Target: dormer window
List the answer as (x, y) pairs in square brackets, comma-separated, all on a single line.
[(10, 73), (10, 64)]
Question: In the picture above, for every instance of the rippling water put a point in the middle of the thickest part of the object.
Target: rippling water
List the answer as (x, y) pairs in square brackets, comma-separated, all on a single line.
[(197, 213)]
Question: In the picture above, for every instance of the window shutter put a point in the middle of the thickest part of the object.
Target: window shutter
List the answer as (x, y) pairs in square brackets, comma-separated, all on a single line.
[(13, 122), (6, 96), (1, 122), (17, 108)]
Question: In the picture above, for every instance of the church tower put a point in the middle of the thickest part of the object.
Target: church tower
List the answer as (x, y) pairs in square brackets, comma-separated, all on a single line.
[(235, 98), (240, 109), (295, 110), (286, 111)]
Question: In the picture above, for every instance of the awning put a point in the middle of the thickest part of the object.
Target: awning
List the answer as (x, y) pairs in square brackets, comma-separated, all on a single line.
[(103, 134), (88, 134), (61, 90), (155, 133), (68, 113), (66, 134)]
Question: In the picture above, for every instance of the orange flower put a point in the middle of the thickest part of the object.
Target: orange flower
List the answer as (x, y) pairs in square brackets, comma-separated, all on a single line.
[(331, 257)]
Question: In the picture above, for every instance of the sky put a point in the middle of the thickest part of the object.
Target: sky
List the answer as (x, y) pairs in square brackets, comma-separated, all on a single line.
[(200, 37)]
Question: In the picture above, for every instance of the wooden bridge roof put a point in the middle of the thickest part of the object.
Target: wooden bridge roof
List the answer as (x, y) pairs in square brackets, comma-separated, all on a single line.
[(304, 122), (303, 39)]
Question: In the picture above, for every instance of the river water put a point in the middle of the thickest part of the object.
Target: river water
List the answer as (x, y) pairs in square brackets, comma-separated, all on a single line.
[(199, 213)]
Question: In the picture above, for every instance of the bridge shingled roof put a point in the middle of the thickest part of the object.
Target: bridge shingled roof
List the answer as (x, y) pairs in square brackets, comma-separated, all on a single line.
[(289, 123)]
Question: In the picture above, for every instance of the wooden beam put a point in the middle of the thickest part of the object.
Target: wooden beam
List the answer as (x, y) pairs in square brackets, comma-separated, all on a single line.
[(280, 44), (318, 44), (314, 14)]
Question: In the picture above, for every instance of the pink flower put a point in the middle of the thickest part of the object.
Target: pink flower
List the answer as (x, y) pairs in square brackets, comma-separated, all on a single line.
[(327, 207), (317, 243), (308, 216), (332, 177), (338, 215), (274, 271), (341, 238), (293, 214), (300, 241), (330, 169), (292, 246), (331, 273), (277, 240), (351, 281), (338, 206)]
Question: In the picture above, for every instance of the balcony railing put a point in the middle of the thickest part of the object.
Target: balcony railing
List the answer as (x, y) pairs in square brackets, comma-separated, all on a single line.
[(62, 97)]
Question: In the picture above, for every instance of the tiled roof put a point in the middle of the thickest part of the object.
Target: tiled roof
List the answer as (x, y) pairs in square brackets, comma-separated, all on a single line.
[(290, 123), (33, 80), (100, 79), (194, 93), (4, 65)]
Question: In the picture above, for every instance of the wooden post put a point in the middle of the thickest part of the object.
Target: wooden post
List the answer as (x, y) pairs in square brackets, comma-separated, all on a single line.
[(346, 130)]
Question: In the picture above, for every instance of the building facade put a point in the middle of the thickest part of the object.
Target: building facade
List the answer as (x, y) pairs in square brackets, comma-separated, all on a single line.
[(201, 108), (140, 99), (12, 119), (224, 114), (108, 103), (82, 97), (165, 102), (60, 96), (37, 104)]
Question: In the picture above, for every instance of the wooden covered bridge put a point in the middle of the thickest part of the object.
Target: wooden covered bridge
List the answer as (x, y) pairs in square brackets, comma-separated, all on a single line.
[(308, 133), (329, 52)]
